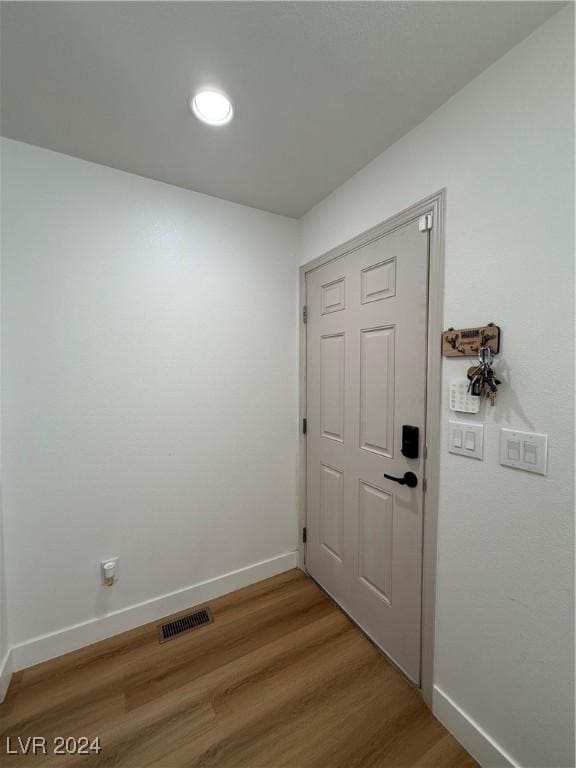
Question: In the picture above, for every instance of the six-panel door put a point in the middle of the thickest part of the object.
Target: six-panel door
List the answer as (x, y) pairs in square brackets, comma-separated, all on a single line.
[(366, 378)]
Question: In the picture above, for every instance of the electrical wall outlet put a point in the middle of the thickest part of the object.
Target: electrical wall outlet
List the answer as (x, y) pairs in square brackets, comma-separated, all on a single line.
[(110, 570)]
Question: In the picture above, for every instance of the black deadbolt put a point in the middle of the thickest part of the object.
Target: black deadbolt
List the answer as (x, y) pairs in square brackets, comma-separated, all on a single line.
[(410, 441)]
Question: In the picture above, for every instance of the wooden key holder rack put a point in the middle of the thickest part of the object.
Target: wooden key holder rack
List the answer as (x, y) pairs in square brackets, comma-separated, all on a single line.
[(466, 342)]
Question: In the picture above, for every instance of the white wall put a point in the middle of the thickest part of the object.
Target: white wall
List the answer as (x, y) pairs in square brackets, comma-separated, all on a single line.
[(503, 148), (150, 387)]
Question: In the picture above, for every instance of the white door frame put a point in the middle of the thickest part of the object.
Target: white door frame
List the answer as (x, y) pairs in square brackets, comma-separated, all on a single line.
[(434, 205)]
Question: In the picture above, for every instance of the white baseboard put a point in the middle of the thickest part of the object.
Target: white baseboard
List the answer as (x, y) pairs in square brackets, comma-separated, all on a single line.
[(478, 743), (6, 672), (71, 638)]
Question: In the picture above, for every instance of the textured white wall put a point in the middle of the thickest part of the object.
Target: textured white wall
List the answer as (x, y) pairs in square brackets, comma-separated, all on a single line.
[(503, 148), (150, 387)]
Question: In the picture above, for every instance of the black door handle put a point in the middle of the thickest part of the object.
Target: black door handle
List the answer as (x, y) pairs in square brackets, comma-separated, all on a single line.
[(409, 479)]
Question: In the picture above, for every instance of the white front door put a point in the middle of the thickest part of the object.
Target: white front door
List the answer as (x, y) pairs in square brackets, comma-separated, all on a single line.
[(366, 382)]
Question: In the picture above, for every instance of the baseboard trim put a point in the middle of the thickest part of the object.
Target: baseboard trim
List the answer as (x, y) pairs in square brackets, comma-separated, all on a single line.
[(480, 745), (71, 638), (6, 672)]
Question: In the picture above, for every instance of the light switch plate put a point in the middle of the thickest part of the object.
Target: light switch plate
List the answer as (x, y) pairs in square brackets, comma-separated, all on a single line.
[(466, 438), (524, 450)]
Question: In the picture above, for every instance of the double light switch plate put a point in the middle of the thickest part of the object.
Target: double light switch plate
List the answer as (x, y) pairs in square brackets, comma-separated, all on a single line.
[(466, 438), (524, 450)]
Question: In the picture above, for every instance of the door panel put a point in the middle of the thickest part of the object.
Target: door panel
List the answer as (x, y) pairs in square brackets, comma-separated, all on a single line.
[(375, 540), (333, 296), (332, 510), (366, 377), (377, 390), (332, 386), (379, 281)]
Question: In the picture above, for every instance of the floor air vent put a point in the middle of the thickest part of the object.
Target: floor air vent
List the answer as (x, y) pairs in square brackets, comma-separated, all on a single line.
[(171, 629)]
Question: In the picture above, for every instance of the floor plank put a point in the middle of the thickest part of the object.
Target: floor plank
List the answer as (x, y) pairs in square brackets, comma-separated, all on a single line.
[(281, 679)]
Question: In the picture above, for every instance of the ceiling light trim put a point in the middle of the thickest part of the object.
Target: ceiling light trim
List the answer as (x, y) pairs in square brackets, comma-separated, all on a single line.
[(212, 106)]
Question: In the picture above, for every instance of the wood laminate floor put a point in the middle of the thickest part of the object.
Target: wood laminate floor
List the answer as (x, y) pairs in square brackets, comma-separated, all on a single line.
[(281, 679)]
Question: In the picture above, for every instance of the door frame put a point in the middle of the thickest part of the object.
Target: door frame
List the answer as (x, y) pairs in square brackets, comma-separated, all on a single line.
[(434, 205)]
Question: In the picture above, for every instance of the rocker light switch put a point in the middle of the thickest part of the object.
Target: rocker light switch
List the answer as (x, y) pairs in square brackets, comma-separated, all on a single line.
[(457, 438), (524, 450), (466, 439), (513, 450)]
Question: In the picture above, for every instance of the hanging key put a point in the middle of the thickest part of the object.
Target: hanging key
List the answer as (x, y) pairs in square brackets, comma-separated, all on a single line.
[(491, 382), (475, 377), (481, 377), (477, 386)]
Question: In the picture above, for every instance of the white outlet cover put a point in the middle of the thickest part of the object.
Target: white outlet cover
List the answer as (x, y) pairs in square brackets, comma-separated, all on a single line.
[(466, 438), (116, 562), (524, 450)]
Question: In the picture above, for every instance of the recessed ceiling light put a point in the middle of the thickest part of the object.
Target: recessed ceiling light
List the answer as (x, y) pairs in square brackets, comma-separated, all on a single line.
[(212, 107)]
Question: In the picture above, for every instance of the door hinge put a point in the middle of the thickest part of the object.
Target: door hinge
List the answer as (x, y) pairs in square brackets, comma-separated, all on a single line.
[(425, 222), (424, 485), (304, 426), (304, 535), (304, 314)]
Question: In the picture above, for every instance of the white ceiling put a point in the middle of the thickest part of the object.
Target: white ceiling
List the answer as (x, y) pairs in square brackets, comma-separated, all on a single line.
[(319, 89)]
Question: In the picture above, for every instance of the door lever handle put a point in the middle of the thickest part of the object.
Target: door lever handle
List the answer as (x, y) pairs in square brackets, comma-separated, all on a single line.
[(409, 479)]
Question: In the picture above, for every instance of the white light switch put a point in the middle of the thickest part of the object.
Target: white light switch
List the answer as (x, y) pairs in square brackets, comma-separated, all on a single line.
[(524, 450), (466, 438), (513, 450), (530, 454), (470, 443)]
